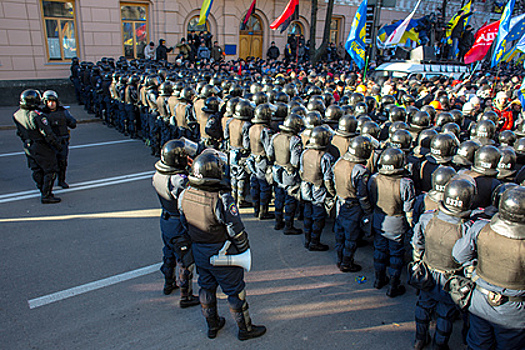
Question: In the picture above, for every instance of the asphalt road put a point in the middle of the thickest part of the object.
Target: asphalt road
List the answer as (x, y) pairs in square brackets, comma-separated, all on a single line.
[(90, 250)]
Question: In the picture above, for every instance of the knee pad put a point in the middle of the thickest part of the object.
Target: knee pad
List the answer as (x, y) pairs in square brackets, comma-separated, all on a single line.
[(207, 296), (237, 301)]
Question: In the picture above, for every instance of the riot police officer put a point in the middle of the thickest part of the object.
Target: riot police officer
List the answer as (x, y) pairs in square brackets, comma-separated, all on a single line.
[(285, 149), (40, 144), (434, 237), (169, 180), (497, 302), (351, 179), (212, 220), (258, 163), (317, 186), (61, 121), (392, 196), (430, 200)]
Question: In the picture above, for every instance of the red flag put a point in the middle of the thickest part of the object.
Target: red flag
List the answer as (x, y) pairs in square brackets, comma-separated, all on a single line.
[(288, 11), (483, 39), (250, 12)]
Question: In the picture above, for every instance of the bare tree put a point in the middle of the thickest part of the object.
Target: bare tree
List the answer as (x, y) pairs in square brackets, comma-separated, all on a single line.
[(316, 54)]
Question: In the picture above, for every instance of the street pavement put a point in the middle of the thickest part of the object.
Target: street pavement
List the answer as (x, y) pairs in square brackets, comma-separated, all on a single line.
[(83, 274)]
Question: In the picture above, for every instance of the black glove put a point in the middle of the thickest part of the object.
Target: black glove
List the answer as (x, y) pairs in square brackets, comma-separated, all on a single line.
[(241, 242)]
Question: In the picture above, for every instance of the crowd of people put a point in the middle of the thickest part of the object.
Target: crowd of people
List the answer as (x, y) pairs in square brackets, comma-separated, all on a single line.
[(432, 167)]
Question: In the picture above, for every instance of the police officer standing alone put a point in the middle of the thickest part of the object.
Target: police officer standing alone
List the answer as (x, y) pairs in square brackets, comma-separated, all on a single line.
[(61, 121), (212, 220), (40, 144)]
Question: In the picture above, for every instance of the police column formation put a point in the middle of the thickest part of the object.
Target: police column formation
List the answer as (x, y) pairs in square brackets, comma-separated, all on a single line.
[(431, 168)]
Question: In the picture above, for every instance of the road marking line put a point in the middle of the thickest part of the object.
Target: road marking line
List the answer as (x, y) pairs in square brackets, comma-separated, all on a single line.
[(88, 287), (76, 147), (11, 197)]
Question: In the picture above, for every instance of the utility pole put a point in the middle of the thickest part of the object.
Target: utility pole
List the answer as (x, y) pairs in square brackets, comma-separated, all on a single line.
[(375, 26)]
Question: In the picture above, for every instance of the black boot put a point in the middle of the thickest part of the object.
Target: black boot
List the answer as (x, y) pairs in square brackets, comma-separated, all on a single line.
[(279, 222), (381, 280), (243, 203), (307, 239), (169, 286), (188, 301), (316, 245), (290, 230), (420, 344), (47, 190), (62, 179), (214, 322), (395, 288), (246, 329), (264, 214), (348, 265)]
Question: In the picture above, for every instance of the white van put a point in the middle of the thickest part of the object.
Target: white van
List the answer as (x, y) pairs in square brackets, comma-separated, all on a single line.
[(408, 69)]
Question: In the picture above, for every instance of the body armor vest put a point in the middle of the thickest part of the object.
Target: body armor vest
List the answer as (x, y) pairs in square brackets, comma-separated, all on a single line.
[(26, 127), (312, 166), (199, 104), (162, 107), (180, 115), (256, 146), (203, 226), (127, 95), (143, 96), (162, 184), (151, 99), (484, 185), (343, 179), (430, 204), (203, 120), (235, 128), (386, 193), (305, 136), (58, 122), (341, 143), (500, 259), (113, 91), (440, 237), (281, 145), (172, 104)]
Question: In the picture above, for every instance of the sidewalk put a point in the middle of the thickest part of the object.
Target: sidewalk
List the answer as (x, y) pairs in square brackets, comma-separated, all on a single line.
[(78, 112)]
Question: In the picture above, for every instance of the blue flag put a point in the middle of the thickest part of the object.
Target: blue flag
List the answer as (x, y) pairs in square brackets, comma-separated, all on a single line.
[(355, 44), (501, 39)]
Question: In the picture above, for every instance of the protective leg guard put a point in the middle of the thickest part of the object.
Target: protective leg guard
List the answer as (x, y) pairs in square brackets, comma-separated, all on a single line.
[(307, 239), (290, 230), (187, 299), (247, 330), (381, 280), (208, 301), (315, 244), (62, 178), (395, 288), (264, 214), (279, 222), (47, 190)]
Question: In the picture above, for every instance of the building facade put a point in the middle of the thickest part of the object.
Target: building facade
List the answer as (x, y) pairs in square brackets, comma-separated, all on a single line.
[(39, 37)]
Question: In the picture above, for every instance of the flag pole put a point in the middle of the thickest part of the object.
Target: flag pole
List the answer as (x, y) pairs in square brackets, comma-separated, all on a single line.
[(493, 94), (366, 66)]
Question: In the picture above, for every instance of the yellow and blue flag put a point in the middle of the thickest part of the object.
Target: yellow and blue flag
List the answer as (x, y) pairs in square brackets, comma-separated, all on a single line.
[(410, 32), (501, 39), (355, 44), (205, 11), (454, 20)]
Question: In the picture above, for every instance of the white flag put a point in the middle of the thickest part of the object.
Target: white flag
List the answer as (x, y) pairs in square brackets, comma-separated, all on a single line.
[(397, 34)]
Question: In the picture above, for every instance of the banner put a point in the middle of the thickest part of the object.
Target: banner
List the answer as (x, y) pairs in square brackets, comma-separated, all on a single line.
[(355, 44), (452, 23), (482, 41), (501, 40), (397, 34), (292, 9)]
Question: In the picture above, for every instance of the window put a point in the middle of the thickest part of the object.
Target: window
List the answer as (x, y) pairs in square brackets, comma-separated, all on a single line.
[(295, 28), (59, 24), (253, 25), (193, 24), (335, 25), (134, 29)]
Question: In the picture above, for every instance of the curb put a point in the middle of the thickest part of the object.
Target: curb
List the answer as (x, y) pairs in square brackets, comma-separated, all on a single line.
[(84, 121)]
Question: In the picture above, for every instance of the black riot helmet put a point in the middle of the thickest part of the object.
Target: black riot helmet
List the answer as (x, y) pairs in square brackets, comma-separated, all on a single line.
[(387, 109), (392, 162), (320, 138), (411, 111), (313, 119), (211, 105), (443, 147), (486, 160), (441, 176), (430, 110), (292, 124), (282, 97), (371, 103), (187, 94), (290, 90), (444, 118), (361, 108), (387, 100), (451, 128), (316, 105), (244, 110), (485, 129), (255, 88), (298, 109), (424, 140), (519, 146), (347, 126), (208, 90), (445, 102), (397, 114), (177, 88), (512, 205), (401, 139), (507, 163), (333, 114), (396, 126), (328, 98), (230, 106), (465, 154), (165, 89), (343, 101), (281, 112), (370, 128), (359, 150), (361, 120), (498, 191), (152, 82), (355, 98), (206, 170), (489, 115), (259, 98), (263, 113), (408, 99), (235, 90), (458, 196), (458, 116), (173, 157), (29, 99), (50, 95), (420, 121), (507, 138)]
